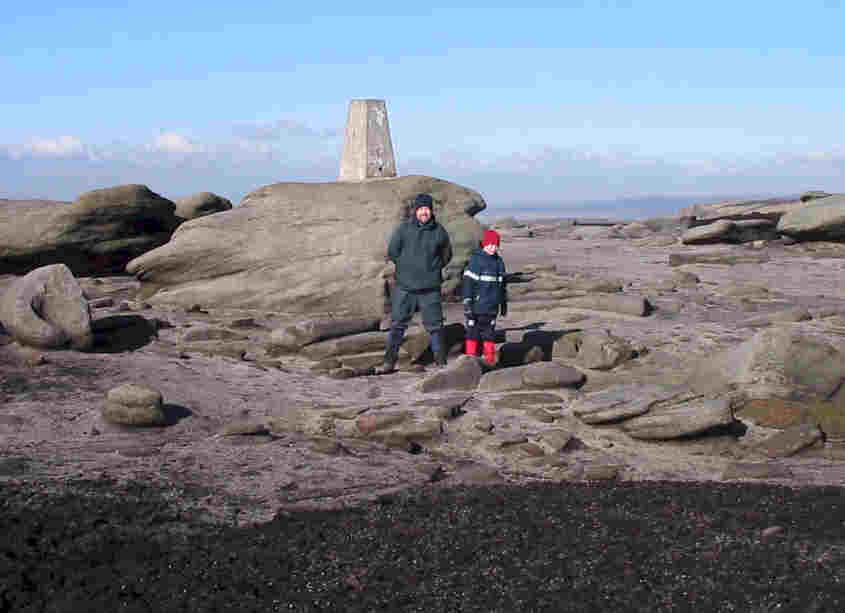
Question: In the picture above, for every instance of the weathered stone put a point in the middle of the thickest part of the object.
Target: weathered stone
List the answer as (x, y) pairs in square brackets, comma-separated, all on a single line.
[(771, 209), (555, 441), (462, 374), (478, 475), (228, 349), (201, 204), (279, 249), (821, 219), (791, 440), (245, 429), (211, 333), (98, 233), (685, 278), (690, 418), (46, 308), (789, 316), (483, 424), (505, 440), (727, 231), (620, 402), (526, 400), (422, 430), (134, 405), (531, 449), (30, 356), (346, 345), (418, 341), (504, 380), (101, 303), (601, 350), (364, 361), (541, 415), (329, 446), (616, 303), (567, 346), (601, 472), (449, 407), (551, 375), (776, 362), (756, 470), (531, 376), (344, 372), (371, 422), (293, 338), (725, 259)]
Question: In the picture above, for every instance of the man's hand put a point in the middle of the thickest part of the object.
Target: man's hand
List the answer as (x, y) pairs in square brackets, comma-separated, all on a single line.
[(469, 316)]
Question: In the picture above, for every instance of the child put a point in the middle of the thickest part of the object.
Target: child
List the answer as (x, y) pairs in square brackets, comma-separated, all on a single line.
[(485, 296)]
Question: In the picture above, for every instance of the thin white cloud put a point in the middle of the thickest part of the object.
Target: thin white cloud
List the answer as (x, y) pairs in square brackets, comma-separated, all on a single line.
[(173, 142), (62, 147), (279, 130)]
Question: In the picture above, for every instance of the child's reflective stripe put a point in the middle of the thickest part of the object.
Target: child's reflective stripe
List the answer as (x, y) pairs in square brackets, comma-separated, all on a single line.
[(489, 278)]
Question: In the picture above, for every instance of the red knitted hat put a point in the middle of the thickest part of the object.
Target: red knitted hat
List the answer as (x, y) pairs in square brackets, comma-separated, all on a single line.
[(491, 237)]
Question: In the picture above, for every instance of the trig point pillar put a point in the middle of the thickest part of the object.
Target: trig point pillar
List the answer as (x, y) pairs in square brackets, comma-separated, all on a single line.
[(367, 149)]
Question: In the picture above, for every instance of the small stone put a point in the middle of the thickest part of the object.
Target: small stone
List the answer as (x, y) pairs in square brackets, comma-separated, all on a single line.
[(770, 532), (483, 424)]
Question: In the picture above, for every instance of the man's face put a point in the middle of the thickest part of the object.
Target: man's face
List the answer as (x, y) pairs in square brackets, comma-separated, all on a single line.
[(423, 214), (491, 249)]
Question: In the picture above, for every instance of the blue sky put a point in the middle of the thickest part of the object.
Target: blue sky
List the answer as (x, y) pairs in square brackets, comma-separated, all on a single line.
[(532, 104)]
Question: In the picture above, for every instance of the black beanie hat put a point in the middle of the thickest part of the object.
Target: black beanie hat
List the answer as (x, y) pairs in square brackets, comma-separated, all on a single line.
[(423, 200)]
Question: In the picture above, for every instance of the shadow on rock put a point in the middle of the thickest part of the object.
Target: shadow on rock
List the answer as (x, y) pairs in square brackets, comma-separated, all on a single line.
[(515, 354), (174, 413), (119, 333)]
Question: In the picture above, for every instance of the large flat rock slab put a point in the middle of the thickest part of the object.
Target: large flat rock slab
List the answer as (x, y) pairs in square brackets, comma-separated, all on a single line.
[(687, 419), (303, 247), (97, 233)]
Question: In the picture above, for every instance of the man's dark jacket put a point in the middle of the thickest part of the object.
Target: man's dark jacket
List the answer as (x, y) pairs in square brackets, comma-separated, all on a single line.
[(420, 252)]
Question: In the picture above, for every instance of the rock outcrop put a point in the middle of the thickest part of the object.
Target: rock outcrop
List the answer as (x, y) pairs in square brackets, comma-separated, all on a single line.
[(818, 219), (96, 234), (201, 204), (303, 247), (47, 309), (776, 362)]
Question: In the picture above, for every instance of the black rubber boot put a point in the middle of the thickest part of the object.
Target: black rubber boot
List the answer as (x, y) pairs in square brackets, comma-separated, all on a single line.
[(438, 348), (391, 356)]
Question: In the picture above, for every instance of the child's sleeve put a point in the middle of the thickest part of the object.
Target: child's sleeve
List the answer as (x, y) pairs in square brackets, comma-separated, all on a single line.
[(503, 306)]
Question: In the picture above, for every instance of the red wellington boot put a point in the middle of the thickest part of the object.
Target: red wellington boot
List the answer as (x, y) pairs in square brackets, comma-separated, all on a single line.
[(490, 357), (471, 347)]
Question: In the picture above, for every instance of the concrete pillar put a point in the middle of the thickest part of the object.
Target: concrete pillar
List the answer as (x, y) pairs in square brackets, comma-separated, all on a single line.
[(367, 149)]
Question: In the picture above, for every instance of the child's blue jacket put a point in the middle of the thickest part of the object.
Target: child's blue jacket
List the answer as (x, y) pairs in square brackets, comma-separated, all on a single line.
[(484, 285)]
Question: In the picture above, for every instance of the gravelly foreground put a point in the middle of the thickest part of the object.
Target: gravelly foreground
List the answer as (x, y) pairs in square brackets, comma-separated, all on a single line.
[(99, 546)]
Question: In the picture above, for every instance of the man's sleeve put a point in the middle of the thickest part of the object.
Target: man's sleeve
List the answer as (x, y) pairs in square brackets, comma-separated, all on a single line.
[(468, 281), (394, 248), (446, 253)]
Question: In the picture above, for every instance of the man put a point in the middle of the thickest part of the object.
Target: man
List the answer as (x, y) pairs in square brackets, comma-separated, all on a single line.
[(420, 249)]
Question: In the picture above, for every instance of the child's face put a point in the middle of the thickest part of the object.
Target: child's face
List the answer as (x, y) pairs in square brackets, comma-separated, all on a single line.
[(491, 249)]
